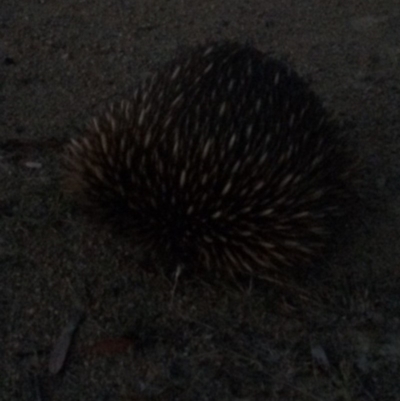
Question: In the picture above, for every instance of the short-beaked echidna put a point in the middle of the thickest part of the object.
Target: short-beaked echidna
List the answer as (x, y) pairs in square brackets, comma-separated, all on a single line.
[(224, 159)]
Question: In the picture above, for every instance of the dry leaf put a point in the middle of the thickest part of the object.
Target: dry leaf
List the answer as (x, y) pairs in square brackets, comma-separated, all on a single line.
[(61, 347), (111, 346)]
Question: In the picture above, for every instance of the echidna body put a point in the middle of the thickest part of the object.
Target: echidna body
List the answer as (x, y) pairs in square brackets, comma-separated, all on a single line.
[(223, 159)]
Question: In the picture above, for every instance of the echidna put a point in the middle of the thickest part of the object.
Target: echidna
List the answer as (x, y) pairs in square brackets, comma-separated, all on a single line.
[(224, 159)]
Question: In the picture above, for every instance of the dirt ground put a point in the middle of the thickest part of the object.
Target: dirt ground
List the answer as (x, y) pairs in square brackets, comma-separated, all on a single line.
[(63, 60)]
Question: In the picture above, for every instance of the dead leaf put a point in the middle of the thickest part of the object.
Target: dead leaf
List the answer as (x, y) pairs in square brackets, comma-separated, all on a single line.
[(61, 347), (111, 346)]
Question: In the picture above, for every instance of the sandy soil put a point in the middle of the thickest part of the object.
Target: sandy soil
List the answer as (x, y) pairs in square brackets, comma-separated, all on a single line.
[(61, 61)]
